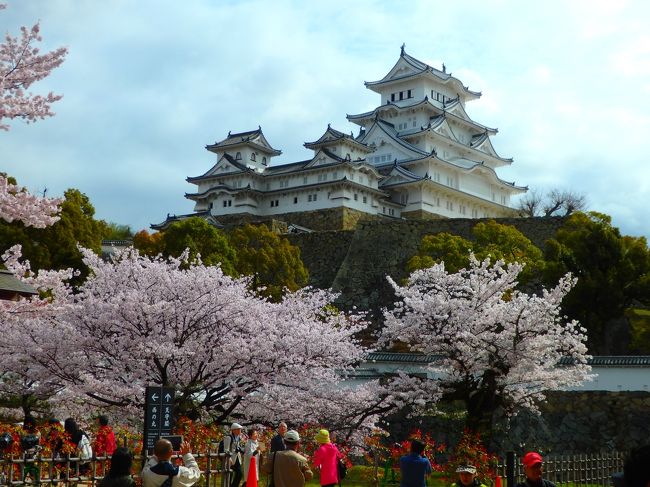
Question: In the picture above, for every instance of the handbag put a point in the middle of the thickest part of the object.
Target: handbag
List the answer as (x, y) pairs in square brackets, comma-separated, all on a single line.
[(342, 469)]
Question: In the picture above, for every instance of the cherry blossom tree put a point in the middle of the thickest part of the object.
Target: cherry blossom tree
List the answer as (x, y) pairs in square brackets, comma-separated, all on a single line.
[(28, 324), (17, 204), (498, 348), (21, 65), (142, 321)]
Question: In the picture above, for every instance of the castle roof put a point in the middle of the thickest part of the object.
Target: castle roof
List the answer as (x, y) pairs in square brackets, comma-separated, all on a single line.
[(408, 67), (333, 136), (452, 108), (252, 138)]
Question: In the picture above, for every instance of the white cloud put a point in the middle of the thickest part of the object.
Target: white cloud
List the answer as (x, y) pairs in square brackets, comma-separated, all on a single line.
[(148, 84)]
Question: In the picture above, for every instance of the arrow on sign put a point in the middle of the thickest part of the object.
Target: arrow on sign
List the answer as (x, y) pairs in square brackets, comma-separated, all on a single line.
[(154, 397), (168, 397)]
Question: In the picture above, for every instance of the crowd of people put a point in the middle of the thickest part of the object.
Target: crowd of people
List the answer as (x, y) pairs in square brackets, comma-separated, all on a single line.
[(243, 456)]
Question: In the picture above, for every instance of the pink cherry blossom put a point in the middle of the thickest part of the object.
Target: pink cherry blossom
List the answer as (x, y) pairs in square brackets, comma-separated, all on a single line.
[(495, 344), (21, 65), (17, 204)]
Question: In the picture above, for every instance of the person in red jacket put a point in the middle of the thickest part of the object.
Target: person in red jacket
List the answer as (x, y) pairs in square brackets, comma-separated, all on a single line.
[(105, 440), (326, 459)]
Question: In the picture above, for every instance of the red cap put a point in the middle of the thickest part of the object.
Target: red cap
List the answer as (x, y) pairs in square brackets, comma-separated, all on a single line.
[(531, 458)]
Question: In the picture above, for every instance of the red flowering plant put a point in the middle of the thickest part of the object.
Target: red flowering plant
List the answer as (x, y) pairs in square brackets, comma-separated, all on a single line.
[(397, 450), (471, 451), (201, 437)]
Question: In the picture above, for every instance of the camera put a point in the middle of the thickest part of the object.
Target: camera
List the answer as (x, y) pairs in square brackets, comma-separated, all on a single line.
[(6, 440), (29, 442)]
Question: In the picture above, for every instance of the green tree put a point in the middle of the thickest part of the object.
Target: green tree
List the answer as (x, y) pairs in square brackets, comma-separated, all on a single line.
[(199, 237), (119, 232), (150, 244), (492, 239), (613, 272), (451, 249), (55, 247), (270, 259)]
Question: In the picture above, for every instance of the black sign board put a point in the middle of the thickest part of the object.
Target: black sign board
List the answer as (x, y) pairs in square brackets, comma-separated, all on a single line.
[(159, 414)]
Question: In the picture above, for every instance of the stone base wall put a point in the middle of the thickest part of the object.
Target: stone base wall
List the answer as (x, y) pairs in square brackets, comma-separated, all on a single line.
[(322, 253), (569, 423), (380, 249), (584, 422), (318, 220)]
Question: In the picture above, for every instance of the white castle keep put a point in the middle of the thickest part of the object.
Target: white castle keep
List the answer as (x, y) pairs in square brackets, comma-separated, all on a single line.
[(417, 155)]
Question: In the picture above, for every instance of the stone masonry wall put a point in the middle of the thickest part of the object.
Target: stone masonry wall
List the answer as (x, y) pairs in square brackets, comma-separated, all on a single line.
[(322, 253), (382, 248), (319, 220), (583, 422)]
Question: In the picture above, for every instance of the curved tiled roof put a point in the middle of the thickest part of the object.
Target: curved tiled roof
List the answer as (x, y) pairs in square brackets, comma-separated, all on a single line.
[(207, 175), (613, 361), (245, 138), (428, 103), (11, 284), (334, 135), (410, 358), (596, 361), (389, 129), (422, 68)]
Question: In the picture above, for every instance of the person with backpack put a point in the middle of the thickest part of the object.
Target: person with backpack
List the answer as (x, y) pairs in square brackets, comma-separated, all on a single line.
[(161, 472)]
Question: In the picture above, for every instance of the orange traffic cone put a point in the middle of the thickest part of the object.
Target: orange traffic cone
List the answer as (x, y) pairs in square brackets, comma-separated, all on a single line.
[(251, 479), (497, 482)]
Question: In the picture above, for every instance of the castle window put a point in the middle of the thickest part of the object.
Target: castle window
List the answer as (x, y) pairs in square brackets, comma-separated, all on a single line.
[(392, 97), (275, 203), (391, 211), (304, 180), (409, 95), (225, 203), (315, 196), (263, 160), (308, 197), (238, 156), (383, 209), (295, 200), (356, 196), (253, 156), (365, 200), (401, 97)]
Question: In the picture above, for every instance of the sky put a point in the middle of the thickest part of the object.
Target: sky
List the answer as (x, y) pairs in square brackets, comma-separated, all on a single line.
[(148, 84)]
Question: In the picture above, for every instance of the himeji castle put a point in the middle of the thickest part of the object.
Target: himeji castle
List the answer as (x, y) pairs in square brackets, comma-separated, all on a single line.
[(417, 155)]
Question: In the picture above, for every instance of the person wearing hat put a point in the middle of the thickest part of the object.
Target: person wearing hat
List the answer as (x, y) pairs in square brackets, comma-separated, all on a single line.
[(532, 462), (233, 446), (414, 466), (326, 459), (467, 477), (288, 468)]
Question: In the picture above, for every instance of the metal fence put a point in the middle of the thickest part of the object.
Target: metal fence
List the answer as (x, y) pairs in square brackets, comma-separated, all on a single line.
[(589, 470), (39, 470), (579, 470)]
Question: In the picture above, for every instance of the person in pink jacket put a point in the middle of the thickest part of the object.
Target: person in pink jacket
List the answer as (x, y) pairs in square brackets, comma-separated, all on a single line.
[(326, 459)]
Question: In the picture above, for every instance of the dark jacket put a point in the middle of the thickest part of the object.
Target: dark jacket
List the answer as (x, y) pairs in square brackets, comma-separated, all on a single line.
[(277, 443)]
